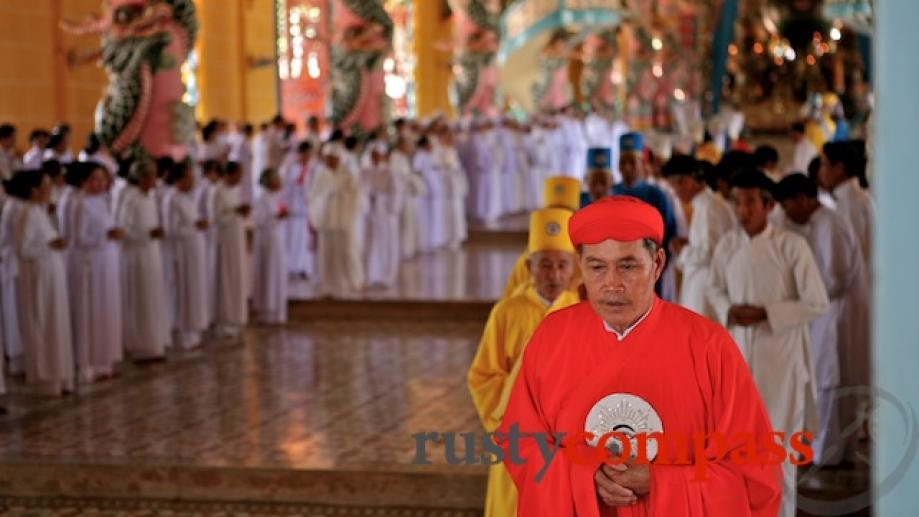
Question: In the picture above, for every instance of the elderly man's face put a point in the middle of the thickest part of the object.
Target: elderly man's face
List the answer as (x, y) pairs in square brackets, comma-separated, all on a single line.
[(551, 272), (619, 278)]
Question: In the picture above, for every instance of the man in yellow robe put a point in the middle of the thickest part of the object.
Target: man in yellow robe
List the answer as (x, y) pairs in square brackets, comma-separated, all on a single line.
[(558, 192), (552, 264)]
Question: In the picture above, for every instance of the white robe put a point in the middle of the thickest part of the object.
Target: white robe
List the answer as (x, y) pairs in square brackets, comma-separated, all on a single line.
[(575, 151), (538, 148), (834, 340), (336, 204), (12, 340), (269, 259), (44, 304), (232, 312), (856, 205), (33, 158), (803, 153), (774, 270), (296, 179), (162, 195), (711, 219), (260, 159), (146, 325), (488, 157), (351, 164), (188, 267), (413, 189), (204, 198), (434, 202), (383, 248), (512, 197), (458, 188), (241, 153), (95, 295)]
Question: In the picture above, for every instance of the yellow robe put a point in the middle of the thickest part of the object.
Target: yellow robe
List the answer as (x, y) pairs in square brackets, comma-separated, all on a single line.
[(520, 276), (493, 371)]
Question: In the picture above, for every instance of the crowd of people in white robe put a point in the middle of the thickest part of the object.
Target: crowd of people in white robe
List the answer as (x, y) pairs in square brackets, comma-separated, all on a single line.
[(785, 267), (163, 247), (102, 260)]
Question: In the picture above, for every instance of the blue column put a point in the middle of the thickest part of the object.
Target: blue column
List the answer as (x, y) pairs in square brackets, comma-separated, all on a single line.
[(896, 329), (724, 34)]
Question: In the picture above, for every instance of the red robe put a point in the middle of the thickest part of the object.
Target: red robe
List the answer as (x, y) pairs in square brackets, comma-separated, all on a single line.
[(687, 367)]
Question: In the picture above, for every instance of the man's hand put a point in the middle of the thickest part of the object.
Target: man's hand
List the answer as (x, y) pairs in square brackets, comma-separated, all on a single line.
[(746, 315), (243, 210), (157, 233), (115, 234), (636, 478), (677, 244), (58, 244), (611, 492), (202, 224)]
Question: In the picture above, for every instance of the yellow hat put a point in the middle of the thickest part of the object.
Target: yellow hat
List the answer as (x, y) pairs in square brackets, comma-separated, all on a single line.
[(549, 230), (561, 191)]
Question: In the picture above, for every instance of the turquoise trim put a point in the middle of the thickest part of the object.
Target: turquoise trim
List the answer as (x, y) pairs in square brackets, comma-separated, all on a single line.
[(846, 10), (856, 16), (554, 20)]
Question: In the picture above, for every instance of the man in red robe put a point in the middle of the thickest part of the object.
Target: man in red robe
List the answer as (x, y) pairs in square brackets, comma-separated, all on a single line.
[(664, 361)]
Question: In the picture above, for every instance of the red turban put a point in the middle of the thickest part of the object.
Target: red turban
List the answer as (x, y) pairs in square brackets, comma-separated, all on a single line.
[(618, 218)]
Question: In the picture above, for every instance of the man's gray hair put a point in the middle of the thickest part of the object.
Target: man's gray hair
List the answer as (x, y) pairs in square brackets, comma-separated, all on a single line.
[(650, 245)]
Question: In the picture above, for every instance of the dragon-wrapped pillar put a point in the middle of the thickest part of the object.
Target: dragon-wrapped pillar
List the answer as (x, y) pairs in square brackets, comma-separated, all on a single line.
[(364, 37), (144, 44), (477, 35)]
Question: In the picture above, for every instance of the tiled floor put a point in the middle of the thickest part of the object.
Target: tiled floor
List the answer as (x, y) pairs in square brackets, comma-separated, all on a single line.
[(310, 397)]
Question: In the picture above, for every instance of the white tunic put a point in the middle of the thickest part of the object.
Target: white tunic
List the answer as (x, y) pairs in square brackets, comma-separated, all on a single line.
[(434, 204), (241, 153), (12, 340), (205, 201), (488, 157), (336, 204), (512, 197), (269, 259), (774, 270), (711, 219), (232, 264), (296, 179), (458, 186), (43, 303), (839, 338), (95, 295), (413, 189), (146, 325), (383, 249), (804, 152), (33, 158), (188, 263), (856, 205)]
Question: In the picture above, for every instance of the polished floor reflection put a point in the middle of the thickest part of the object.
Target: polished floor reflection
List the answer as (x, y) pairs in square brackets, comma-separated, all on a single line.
[(321, 396), (475, 273)]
